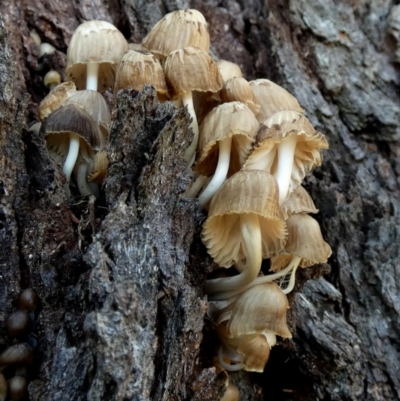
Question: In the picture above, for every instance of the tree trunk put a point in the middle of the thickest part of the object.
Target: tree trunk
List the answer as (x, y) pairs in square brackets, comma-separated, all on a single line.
[(123, 312)]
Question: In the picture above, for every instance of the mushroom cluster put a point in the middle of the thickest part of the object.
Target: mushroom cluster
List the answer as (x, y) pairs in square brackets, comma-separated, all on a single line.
[(18, 357)]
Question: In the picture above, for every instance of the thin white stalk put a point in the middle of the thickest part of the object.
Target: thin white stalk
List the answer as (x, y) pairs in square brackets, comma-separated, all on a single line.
[(251, 235), (283, 173), (187, 101), (92, 75), (195, 188), (73, 152), (292, 280), (83, 186), (226, 366), (224, 158)]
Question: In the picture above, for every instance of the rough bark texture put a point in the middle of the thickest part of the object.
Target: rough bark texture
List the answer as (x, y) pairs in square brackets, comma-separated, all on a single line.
[(123, 312)]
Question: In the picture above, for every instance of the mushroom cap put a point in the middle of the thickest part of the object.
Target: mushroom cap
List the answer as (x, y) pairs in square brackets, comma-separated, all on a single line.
[(234, 120), (28, 300), (237, 88), (17, 388), (137, 68), (176, 30), (231, 393), (52, 78), (20, 354), (272, 98), (191, 69), (55, 99), (262, 307), (18, 325), (246, 192), (95, 105), (308, 148), (305, 241), (299, 201), (71, 119), (95, 42), (98, 168), (228, 70)]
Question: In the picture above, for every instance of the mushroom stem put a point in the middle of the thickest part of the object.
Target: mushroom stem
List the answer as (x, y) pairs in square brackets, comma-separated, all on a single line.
[(220, 174), (195, 188), (92, 74), (292, 280), (283, 172), (83, 185), (187, 101), (72, 155), (251, 235)]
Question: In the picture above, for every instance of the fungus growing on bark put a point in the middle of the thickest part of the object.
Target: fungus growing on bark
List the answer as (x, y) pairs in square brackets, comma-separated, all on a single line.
[(187, 70), (299, 201), (28, 300), (93, 54), (177, 30), (18, 325), (226, 138), (244, 223), (52, 79), (17, 355), (17, 388)]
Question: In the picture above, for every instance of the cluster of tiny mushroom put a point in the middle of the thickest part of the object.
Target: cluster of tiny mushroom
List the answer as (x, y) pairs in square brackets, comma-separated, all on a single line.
[(252, 148), (18, 357)]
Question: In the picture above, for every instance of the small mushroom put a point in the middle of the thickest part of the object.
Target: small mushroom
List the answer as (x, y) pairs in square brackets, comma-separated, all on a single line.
[(93, 54), (231, 393), (28, 300), (46, 49), (17, 388), (18, 325), (52, 79), (17, 355), (299, 201)]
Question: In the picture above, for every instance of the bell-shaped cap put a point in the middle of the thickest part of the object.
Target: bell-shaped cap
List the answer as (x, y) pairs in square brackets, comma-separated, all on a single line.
[(272, 98), (176, 30), (55, 99), (191, 69), (231, 393), (304, 241), (95, 105), (246, 192), (95, 42), (228, 70), (234, 120), (260, 308), (138, 68), (238, 89), (17, 355), (299, 201)]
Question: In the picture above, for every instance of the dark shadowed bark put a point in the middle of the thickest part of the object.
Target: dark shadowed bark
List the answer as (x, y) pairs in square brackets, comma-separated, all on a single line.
[(123, 313)]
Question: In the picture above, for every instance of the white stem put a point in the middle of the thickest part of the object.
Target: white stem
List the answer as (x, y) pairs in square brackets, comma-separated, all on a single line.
[(251, 235), (283, 172), (72, 155), (292, 280), (226, 366), (187, 101), (92, 75), (81, 180), (224, 158), (195, 187)]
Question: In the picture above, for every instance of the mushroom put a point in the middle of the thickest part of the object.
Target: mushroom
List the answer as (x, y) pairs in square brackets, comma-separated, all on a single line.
[(95, 49), (244, 223), (299, 201), (272, 98), (17, 355), (3, 388), (289, 147), (17, 388), (28, 300), (52, 79), (231, 393), (70, 131), (138, 68), (98, 168), (191, 69), (18, 325), (177, 30), (226, 138)]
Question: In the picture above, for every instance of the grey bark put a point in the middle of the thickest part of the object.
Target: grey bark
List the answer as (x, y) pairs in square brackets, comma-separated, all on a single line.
[(123, 312)]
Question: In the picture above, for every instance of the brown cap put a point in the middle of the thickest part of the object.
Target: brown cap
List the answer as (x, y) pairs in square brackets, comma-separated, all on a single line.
[(246, 192), (55, 99), (176, 30), (228, 70), (191, 69), (95, 42), (52, 79), (234, 120), (299, 201), (272, 98), (138, 68)]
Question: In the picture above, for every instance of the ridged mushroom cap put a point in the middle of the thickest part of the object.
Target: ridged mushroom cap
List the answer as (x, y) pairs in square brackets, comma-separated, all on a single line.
[(239, 89), (234, 120), (231, 393), (305, 241), (262, 307), (138, 68), (246, 192), (228, 70), (98, 42), (272, 98), (299, 201), (191, 69), (275, 129), (55, 99), (95, 105), (17, 355), (176, 30)]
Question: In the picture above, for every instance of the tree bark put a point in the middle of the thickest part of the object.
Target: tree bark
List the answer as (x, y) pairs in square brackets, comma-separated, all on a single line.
[(123, 312)]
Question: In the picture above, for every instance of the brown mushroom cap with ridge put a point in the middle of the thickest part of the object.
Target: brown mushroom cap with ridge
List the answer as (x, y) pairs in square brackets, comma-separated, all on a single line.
[(299, 201), (93, 54), (244, 223), (176, 30)]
